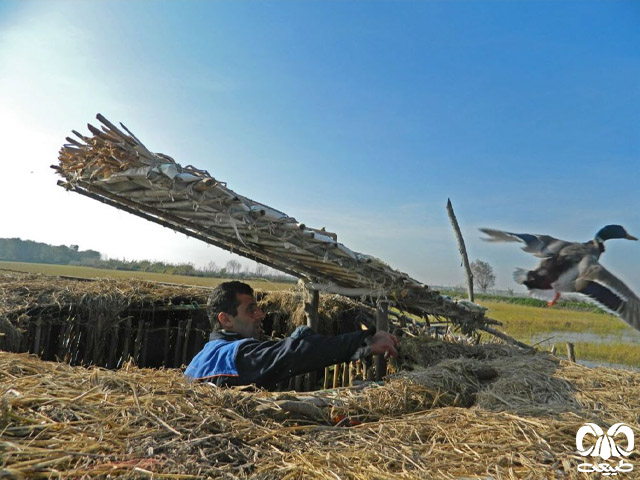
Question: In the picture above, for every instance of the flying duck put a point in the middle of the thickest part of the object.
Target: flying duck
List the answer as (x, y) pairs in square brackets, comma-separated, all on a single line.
[(573, 267)]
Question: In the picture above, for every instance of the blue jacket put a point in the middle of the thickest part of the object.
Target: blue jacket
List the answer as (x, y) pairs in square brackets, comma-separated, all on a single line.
[(228, 359)]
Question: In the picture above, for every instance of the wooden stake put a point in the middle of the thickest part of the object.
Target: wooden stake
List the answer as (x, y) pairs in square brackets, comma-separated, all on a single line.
[(345, 374), (327, 376), (462, 248), (336, 376), (571, 354), (311, 303)]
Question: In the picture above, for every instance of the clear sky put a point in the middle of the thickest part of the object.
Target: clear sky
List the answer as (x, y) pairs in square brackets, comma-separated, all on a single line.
[(359, 116)]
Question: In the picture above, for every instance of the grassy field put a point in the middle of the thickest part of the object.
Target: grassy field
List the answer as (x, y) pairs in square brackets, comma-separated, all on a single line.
[(527, 323), (88, 272), (520, 320)]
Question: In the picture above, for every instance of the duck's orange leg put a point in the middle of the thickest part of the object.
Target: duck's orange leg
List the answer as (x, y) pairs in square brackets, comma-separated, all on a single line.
[(555, 299)]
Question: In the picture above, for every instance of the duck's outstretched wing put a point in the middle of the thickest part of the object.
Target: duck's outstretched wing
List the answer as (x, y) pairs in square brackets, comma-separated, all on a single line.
[(538, 245), (608, 292)]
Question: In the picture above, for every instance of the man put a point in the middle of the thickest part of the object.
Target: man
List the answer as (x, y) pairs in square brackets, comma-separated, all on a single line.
[(236, 355)]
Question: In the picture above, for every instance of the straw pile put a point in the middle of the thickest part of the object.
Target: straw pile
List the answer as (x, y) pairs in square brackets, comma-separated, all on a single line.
[(107, 322), (103, 321), (482, 412)]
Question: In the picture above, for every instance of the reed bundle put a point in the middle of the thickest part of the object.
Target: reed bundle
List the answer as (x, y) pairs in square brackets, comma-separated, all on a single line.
[(114, 167), (496, 412)]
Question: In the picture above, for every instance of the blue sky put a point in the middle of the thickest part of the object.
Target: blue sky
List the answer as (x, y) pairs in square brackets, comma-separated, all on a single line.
[(362, 116)]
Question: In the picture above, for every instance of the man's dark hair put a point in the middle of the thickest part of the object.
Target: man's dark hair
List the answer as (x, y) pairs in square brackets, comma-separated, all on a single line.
[(224, 298)]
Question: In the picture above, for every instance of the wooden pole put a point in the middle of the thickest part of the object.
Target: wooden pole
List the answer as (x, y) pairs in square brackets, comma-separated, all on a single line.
[(382, 325), (311, 304), (462, 248), (571, 353), (336, 375), (345, 374), (327, 376)]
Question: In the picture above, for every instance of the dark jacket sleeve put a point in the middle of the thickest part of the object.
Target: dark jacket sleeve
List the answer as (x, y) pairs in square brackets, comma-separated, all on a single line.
[(266, 363)]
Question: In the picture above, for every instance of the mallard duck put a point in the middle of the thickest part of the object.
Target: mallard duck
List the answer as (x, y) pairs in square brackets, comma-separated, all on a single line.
[(573, 267)]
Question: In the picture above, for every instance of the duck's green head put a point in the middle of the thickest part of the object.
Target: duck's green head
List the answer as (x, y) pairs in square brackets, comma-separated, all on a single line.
[(613, 231)]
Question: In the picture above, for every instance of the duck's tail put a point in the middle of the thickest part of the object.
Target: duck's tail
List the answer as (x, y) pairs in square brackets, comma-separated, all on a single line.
[(520, 275)]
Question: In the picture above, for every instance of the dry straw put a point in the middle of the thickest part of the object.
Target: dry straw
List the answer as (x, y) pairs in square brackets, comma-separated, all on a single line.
[(487, 411)]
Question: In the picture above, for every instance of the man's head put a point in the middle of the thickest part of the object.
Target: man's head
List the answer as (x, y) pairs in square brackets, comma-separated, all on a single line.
[(233, 308)]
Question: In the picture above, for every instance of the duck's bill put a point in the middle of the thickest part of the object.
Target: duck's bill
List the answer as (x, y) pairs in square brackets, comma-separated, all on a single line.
[(630, 237)]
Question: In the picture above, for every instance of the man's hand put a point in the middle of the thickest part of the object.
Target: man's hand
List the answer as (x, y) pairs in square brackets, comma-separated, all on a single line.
[(383, 342)]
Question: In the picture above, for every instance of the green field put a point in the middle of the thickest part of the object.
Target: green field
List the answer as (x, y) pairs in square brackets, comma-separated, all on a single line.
[(613, 341), (89, 272)]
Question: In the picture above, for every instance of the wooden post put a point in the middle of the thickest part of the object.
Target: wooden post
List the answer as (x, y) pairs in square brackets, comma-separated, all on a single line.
[(571, 354), (345, 374), (462, 248), (553, 349), (382, 325), (336, 375), (327, 376), (352, 372), (311, 303)]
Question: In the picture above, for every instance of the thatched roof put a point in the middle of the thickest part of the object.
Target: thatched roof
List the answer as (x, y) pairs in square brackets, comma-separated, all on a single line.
[(488, 411), (114, 167)]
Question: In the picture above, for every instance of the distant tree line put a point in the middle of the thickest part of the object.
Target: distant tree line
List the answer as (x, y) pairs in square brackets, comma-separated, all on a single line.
[(18, 250)]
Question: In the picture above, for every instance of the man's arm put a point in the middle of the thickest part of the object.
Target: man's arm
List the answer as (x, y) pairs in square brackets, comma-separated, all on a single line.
[(266, 363)]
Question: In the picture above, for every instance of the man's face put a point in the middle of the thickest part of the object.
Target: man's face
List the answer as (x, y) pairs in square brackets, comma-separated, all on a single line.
[(248, 321)]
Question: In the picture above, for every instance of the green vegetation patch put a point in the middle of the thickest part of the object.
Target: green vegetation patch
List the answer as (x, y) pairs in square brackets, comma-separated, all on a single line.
[(615, 353)]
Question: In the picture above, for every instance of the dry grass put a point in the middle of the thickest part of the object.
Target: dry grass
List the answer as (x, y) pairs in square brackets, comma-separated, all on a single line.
[(58, 421)]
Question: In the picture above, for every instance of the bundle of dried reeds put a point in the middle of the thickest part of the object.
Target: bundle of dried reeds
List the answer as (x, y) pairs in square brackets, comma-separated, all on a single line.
[(113, 166)]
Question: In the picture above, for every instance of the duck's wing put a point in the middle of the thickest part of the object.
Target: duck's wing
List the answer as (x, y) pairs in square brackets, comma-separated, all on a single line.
[(607, 291), (538, 245)]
